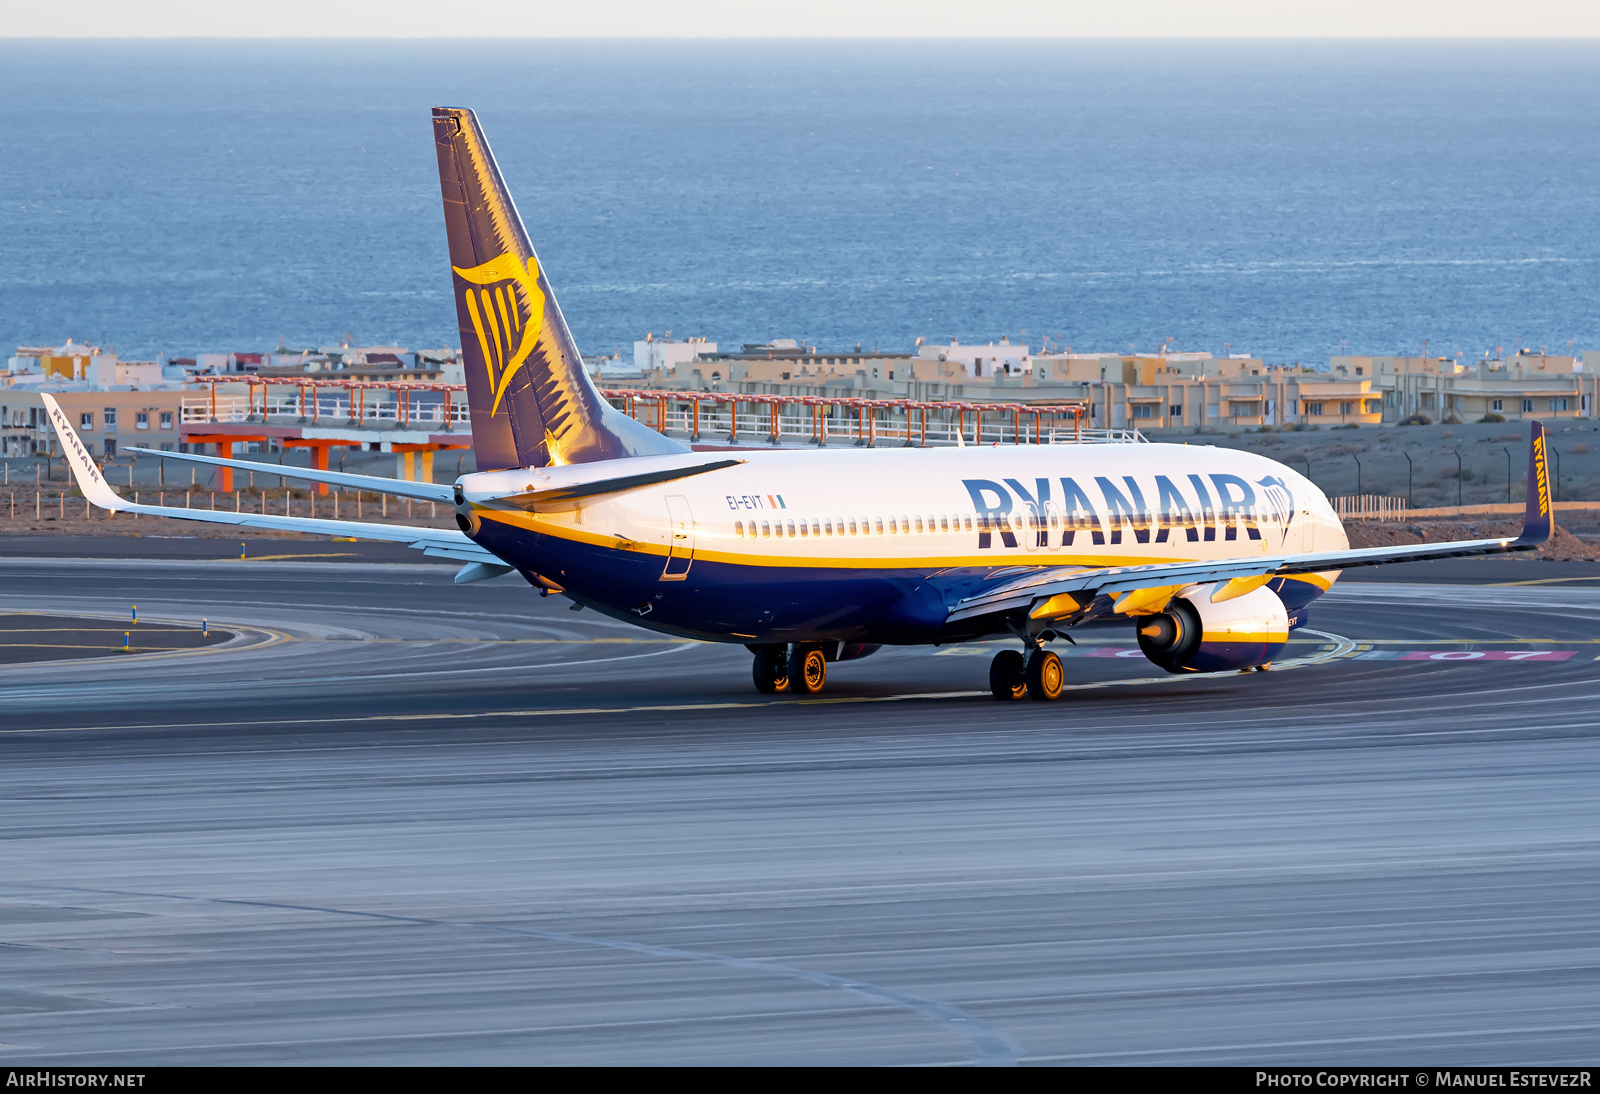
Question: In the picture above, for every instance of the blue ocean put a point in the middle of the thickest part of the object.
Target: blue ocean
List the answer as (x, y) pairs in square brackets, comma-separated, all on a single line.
[(1286, 199)]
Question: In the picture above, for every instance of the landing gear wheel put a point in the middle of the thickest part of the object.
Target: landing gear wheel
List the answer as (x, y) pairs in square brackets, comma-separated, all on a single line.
[(808, 670), (771, 669), (1044, 675), (1008, 675)]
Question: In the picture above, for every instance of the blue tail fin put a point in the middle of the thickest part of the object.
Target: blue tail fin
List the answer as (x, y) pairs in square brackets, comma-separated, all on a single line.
[(532, 404), (1538, 520)]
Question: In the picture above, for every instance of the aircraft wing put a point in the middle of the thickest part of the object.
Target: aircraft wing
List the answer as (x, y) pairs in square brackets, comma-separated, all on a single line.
[(439, 542), (378, 484), (1063, 591)]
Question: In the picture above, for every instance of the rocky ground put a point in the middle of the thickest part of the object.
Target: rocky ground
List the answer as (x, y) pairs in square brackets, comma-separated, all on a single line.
[(1565, 545), (1373, 458)]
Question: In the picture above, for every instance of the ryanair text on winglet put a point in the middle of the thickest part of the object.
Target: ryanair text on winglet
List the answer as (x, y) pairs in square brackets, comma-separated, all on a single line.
[(63, 430)]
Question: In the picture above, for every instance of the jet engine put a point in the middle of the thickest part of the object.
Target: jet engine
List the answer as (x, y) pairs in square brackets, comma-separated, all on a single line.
[(1196, 634)]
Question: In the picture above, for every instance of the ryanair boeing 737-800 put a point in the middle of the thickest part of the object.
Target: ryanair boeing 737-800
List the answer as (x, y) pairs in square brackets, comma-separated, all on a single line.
[(1209, 556)]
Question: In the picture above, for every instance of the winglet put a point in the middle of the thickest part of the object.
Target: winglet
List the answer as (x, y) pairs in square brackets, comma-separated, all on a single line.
[(1538, 521), (94, 487)]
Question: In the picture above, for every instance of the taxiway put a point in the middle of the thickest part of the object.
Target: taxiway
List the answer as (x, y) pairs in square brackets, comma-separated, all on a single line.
[(392, 820)]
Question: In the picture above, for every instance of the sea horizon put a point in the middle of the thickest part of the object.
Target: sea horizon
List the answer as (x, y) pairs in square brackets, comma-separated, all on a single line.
[(1289, 198)]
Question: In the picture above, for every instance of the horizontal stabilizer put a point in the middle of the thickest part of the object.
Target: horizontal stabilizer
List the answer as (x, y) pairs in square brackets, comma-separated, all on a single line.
[(480, 571), (378, 484), (553, 496)]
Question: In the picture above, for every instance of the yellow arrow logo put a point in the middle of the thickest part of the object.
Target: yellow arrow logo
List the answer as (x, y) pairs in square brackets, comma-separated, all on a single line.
[(507, 310)]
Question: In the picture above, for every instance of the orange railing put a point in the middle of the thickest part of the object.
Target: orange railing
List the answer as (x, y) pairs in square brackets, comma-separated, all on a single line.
[(816, 419)]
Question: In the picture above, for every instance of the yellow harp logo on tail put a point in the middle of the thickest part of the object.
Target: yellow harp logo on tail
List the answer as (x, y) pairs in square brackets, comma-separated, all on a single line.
[(507, 311)]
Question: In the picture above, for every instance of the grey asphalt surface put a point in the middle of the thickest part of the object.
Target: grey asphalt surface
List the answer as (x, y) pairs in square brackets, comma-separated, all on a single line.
[(396, 821), (33, 636)]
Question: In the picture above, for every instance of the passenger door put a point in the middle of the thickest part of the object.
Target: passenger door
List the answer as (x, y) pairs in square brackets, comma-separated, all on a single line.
[(680, 538)]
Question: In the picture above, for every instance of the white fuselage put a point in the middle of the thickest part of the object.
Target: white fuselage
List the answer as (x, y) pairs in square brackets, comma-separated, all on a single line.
[(1105, 504)]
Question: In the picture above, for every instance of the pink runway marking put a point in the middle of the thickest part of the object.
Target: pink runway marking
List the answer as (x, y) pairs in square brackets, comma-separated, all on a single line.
[(1487, 655)]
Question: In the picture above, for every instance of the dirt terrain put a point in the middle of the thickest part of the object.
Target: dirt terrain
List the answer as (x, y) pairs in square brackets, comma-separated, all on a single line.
[(1493, 463), (1563, 546)]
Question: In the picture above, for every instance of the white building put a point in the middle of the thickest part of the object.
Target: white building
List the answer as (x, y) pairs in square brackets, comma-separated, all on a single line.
[(651, 354), (106, 372), (1003, 358)]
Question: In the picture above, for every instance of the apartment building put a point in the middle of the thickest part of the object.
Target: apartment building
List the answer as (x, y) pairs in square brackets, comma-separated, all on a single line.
[(1444, 389), (106, 420)]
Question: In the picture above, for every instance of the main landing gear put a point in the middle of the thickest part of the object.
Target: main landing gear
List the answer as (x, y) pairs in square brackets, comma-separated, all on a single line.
[(799, 669), (1038, 676)]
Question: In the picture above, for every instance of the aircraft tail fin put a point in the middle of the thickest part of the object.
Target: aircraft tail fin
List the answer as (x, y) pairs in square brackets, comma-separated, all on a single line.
[(531, 402)]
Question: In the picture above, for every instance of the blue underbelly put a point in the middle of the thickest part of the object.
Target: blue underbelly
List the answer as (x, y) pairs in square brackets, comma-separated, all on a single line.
[(728, 602)]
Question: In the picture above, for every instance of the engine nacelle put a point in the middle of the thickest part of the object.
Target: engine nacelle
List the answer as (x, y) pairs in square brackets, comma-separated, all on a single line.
[(1195, 635)]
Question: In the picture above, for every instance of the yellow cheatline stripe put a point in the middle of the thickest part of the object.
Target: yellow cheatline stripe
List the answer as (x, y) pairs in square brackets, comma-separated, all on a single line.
[(1244, 636), (308, 554), (1540, 581), (1039, 559)]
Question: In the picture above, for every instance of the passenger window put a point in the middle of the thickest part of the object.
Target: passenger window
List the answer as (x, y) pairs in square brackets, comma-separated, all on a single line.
[(738, 528), (905, 525), (791, 528), (802, 528), (816, 529), (880, 526), (919, 524), (852, 526), (765, 529), (969, 522), (827, 527), (944, 524)]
